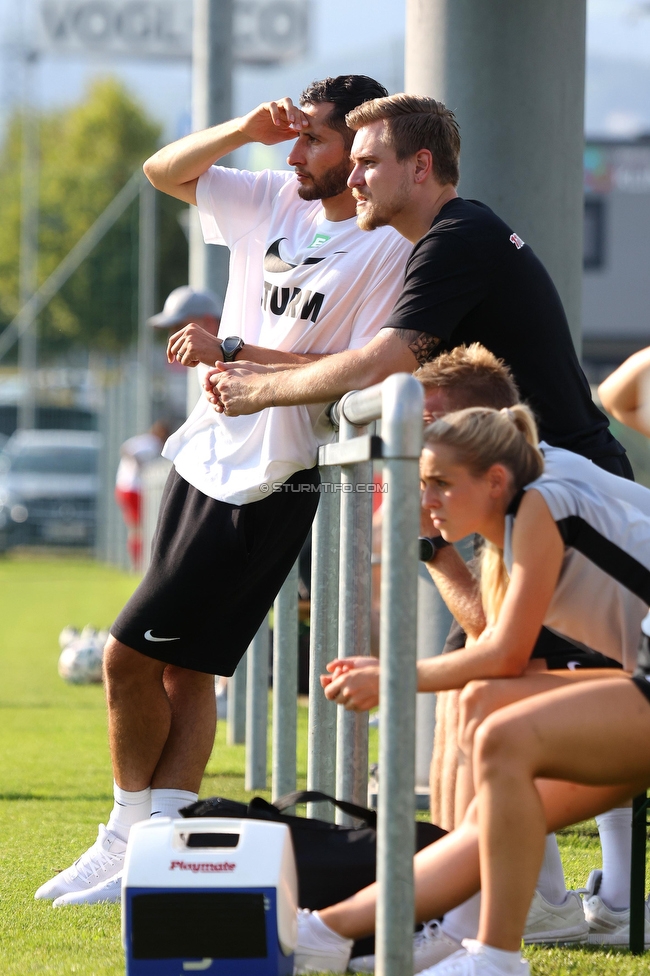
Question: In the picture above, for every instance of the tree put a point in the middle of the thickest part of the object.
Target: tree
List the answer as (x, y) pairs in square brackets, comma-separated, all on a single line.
[(87, 154)]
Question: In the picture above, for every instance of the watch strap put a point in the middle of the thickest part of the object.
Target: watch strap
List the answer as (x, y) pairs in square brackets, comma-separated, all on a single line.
[(429, 546)]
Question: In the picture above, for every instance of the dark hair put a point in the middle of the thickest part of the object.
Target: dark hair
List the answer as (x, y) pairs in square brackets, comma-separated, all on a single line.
[(415, 122), (346, 92), (472, 376)]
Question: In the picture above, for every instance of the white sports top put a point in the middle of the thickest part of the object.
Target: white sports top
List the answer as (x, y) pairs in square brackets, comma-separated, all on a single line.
[(603, 592), (300, 283)]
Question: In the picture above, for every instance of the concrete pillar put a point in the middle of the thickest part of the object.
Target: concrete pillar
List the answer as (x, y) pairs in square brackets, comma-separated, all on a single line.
[(513, 72)]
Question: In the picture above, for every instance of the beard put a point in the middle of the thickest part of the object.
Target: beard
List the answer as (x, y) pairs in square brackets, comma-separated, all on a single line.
[(332, 182), (372, 217), (376, 215)]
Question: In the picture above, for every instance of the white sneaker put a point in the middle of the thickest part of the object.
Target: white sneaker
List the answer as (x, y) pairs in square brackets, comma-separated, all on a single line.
[(470, 962), (553, 924), (319, 949), (100, 862), (430, 945), (607, 926), (105, 891)]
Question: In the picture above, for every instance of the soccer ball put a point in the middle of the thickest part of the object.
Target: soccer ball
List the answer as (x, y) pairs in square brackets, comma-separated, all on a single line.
[(80, 662), (67, 635)]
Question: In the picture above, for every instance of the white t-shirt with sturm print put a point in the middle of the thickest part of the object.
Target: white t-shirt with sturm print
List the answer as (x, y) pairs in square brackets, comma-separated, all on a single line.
[(299, 283)]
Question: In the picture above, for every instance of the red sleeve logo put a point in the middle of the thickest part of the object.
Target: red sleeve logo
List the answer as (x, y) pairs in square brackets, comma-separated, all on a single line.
[(516, 240)]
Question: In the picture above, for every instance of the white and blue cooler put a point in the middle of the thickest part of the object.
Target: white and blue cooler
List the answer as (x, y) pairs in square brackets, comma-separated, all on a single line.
[(209, 895)]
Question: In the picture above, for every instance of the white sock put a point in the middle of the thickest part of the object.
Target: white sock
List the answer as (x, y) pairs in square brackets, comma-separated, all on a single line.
[(462, 922), (615, 829), (550, 883), (510, 962), (129, 807), (325, 932), (167, 803)]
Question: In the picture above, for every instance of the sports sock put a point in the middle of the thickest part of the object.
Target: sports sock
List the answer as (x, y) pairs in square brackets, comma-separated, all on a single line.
[(550, 883), (508, 962), (462, 922), (129, 808), (167, 803), (615, 829)]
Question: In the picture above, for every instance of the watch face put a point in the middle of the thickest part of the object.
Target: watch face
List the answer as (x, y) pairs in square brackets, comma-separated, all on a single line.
[(231, 346)]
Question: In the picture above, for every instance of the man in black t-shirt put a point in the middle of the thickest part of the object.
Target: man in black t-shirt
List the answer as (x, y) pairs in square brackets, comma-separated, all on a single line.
[(470, 278)]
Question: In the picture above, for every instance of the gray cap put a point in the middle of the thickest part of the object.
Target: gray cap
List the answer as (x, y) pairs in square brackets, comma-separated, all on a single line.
[(186, 303)]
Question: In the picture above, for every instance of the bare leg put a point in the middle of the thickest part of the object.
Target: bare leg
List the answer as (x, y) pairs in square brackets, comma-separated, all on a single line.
[(594, 733), (191, 735), (442, 778), (447, 872), (160, 719)]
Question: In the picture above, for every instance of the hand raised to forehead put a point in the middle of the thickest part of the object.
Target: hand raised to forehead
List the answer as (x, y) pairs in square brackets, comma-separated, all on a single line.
[(274, 122)]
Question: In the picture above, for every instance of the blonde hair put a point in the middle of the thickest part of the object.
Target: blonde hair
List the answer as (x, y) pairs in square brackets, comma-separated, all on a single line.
[(472, 376), (481, 437)]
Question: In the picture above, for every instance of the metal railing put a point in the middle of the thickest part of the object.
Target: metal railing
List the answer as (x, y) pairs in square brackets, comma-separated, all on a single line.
[(340, 626)]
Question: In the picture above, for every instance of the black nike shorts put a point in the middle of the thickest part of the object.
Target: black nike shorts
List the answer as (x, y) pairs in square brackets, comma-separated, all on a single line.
[(558, 653), (215, 571)]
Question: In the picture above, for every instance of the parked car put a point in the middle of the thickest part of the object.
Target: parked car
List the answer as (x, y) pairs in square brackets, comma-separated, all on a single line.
[(48, 488)]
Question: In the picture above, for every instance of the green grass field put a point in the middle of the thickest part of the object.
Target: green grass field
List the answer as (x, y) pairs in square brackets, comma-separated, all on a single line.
[(56, 781)]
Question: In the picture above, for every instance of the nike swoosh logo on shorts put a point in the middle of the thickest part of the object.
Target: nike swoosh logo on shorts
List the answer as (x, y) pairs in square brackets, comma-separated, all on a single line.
[(149, 636), (573, 665)]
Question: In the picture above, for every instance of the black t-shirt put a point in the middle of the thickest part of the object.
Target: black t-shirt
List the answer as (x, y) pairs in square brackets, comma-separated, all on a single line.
[(470, 279)]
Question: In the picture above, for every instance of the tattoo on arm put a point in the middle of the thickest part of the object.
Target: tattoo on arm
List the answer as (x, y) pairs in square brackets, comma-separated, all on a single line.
[(423, 345)]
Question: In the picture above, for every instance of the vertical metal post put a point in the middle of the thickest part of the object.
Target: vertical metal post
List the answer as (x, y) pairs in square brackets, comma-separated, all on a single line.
[(146, 301), (28, 272), (211, 104), (434, 621), (637, 873), (285, 686), (323, 641), (103, 500), (125, 428), (257, 705), (236, 721), (354, 620), (402, 436)]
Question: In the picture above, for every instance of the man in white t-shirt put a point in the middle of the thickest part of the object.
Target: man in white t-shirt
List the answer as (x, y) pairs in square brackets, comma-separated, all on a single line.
[(305, 282)]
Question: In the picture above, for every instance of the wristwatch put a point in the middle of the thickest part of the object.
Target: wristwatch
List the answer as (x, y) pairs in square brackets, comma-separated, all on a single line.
[(230, 347), (429, 547)]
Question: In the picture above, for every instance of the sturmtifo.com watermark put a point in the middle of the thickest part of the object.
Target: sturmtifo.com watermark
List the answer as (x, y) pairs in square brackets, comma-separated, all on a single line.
[(326, 486)]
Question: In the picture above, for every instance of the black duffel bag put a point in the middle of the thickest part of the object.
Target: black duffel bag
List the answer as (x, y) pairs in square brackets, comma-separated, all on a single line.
[(333, 862)]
